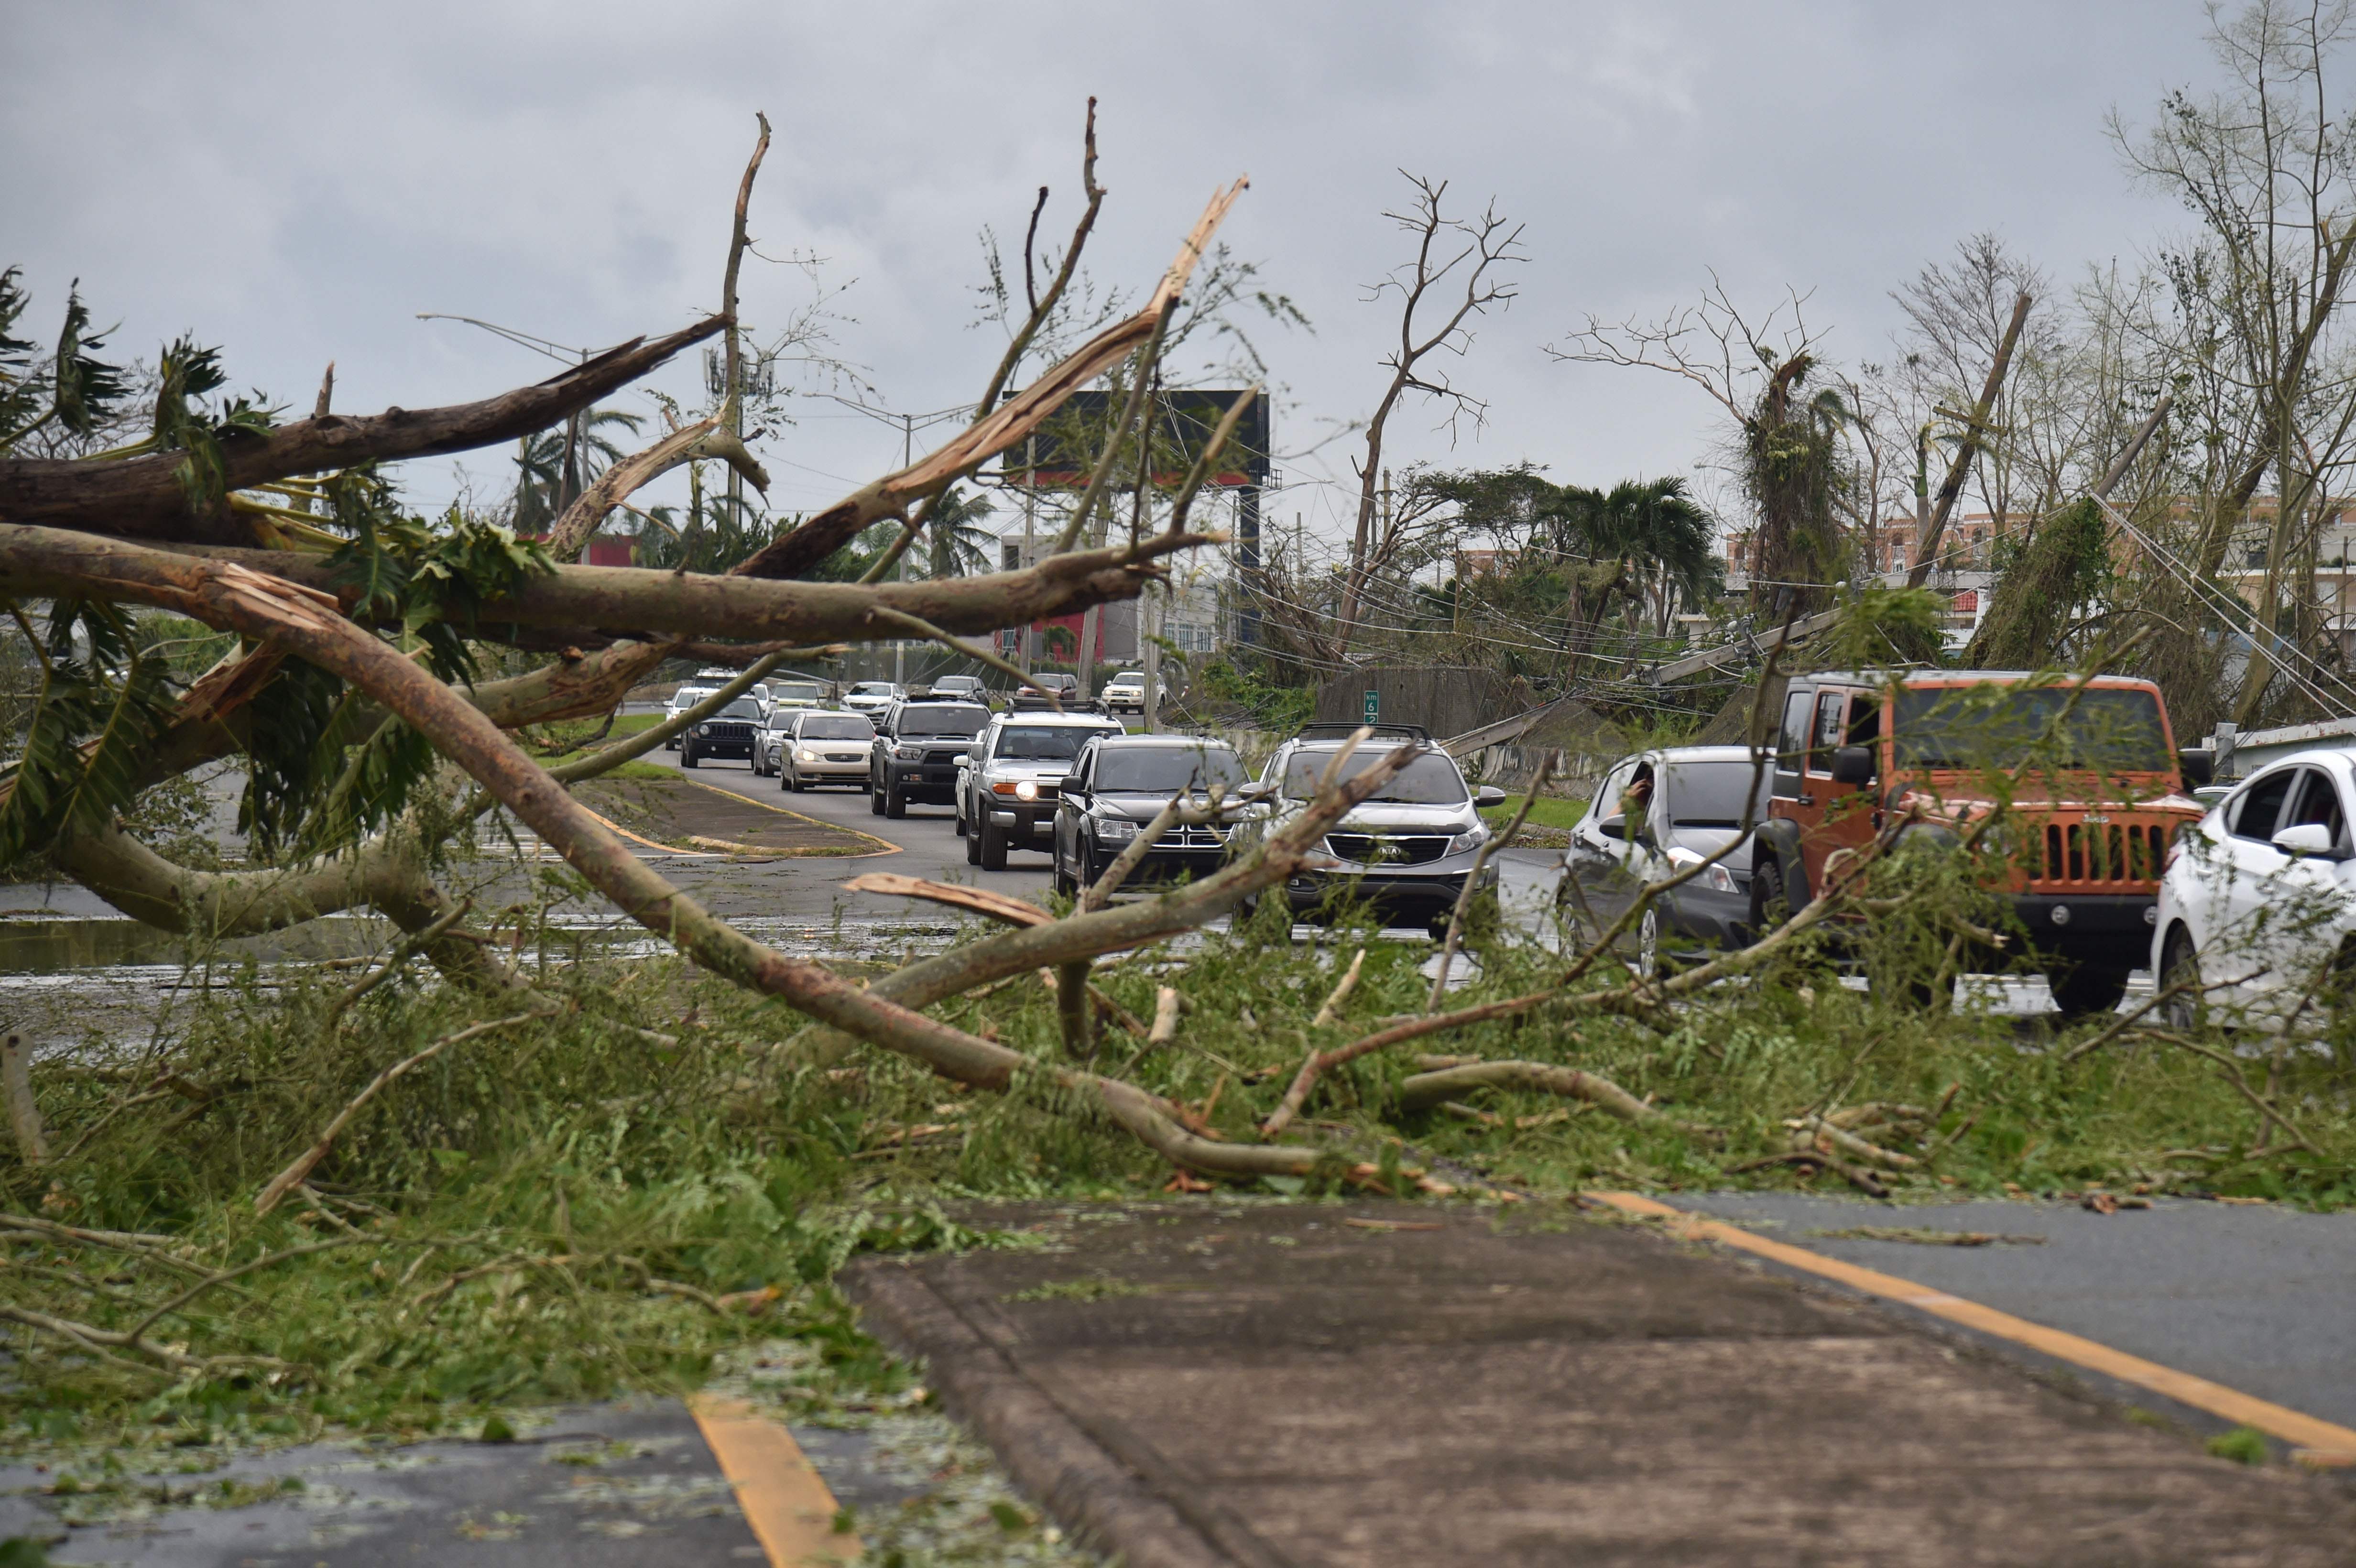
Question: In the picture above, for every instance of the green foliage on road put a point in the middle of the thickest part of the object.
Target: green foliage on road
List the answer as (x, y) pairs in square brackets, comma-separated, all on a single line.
[(617, 1194)]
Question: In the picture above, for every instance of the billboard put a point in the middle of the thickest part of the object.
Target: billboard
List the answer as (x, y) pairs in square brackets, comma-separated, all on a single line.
[(1063, 450)]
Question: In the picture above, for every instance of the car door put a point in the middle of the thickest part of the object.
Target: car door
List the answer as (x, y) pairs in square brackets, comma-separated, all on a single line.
[(2303, 897), (1071, 806), (1597, 886), (2239, 879)]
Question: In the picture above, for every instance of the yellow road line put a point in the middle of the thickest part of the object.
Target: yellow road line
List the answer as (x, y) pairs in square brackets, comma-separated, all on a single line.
[(784, 1499), (2324, 1437)]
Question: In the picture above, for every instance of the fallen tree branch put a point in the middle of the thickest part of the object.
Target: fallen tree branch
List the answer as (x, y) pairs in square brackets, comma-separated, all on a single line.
[(24, 1112), (978, 900), (277, 1186), (141, 498), (1425, 1089), (1331, 1013)]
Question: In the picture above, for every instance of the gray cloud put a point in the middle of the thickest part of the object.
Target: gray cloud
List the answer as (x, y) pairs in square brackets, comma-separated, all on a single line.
[(295, 181)]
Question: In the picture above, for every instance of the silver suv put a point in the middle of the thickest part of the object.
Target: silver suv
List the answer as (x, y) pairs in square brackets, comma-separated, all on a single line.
[(1406, 850), (1013, 777)]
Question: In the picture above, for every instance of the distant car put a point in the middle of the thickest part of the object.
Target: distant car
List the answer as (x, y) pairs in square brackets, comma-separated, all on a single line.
[(2258, 903), (871, 697), (1406, 849), (686, 697), (788, 695), (1656, 813), (962, 689), (1007, 786), (1116, 784), (812, 747), (915, 752), (1125, 693), (734, 731)]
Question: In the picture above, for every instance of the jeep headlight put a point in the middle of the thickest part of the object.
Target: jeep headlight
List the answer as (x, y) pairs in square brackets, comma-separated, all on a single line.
[(1472, 838), (1026, 789), (909, 753), (1115, 829)]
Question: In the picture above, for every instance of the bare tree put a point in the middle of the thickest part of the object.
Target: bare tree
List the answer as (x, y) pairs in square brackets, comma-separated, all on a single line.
[(1464, 256)]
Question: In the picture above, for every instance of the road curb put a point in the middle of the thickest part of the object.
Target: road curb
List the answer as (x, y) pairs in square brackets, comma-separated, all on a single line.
[(1046, 1452)]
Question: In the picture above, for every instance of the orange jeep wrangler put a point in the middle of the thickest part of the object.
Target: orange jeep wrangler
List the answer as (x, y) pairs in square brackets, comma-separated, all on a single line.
[(2096, 788)]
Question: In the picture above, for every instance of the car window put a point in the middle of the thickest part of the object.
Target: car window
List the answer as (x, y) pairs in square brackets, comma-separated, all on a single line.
[(1713, 795), (1830, 708), (2255, 814), (1431, 779), (1614, 786), (2317, 805), (941, 719), (1041, 743), (1167, 768), (1792, 745)]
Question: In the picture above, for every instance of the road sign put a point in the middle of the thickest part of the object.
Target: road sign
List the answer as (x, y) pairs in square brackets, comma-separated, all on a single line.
[(1374, 707)]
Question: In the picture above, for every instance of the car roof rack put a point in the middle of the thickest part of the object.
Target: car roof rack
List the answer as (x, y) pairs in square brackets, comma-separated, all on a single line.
[(1343, 731)]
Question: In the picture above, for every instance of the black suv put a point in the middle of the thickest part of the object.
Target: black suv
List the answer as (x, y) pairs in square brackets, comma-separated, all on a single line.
[(734, 731), (915, 752)]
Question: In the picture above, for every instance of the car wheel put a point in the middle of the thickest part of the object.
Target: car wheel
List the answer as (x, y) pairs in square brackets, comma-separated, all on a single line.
[(1061, 882), (993, 847), (974, 849), (2179, 964), (788, 780), (687, 757), (895, 805), (2087, 989), (1648, 942), (958, 828), (874, 798), (1770, 906)]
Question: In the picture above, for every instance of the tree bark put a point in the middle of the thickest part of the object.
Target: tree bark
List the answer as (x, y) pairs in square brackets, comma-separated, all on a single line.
[(141, 498)]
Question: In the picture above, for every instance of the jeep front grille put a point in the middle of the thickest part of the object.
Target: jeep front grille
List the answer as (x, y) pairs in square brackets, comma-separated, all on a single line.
[(2090, 853)]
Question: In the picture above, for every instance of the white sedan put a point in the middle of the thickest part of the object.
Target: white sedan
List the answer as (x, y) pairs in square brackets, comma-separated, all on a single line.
[(2257, 906)]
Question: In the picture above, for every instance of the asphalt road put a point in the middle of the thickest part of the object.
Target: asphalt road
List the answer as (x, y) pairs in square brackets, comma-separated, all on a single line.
[(929, 848)]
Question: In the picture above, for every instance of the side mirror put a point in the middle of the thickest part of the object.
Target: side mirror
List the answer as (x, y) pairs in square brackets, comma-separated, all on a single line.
[(1613, 827), (1071, 785), (1487, 796), (1853, 765), (1258, 789), (962, 758), (2199, 767), (2307, 838)]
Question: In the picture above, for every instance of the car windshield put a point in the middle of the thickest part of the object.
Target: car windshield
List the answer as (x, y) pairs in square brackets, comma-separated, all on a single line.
[(871, 689), (743, 708), (1129, 678), (1711, 794), (688, 696), (1165, 770), (1431, 779), (836, 727), (1041, 742), (942, 719), (2105, 729), (794, 691)]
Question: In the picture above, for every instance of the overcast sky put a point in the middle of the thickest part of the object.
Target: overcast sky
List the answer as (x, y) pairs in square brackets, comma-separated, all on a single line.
[(296, 182)]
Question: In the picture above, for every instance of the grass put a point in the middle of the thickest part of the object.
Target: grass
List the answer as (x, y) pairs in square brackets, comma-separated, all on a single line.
[(1549, 812), (625, 726)]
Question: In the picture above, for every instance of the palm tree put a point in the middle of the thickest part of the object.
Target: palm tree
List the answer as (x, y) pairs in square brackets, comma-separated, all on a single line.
[(554, 465), (960, 545)]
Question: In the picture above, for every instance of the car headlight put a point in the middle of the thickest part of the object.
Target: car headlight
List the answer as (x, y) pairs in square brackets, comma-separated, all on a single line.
[(1115, 829), (909, 753), (1718, 879), (804, 755), (1026, 789), (1472, 838)]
